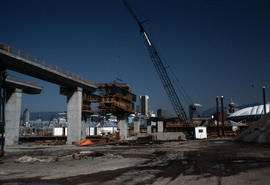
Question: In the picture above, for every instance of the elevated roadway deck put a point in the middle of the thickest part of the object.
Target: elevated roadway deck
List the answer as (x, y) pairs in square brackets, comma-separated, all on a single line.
[(16, 60), (26, 86)]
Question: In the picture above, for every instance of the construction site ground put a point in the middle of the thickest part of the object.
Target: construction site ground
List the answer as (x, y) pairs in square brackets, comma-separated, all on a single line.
[(216, 161)]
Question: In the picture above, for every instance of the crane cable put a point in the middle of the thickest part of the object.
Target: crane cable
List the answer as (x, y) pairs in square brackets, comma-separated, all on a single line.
[(175, 79), (177, 82), (181, 90)]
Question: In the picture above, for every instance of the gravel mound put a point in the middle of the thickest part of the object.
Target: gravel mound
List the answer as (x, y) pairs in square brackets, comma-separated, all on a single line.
[(259, 132)]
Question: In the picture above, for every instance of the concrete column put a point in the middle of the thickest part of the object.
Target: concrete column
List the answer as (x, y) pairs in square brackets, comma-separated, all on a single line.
[(160, 126), (149, 129), (74, 116), (123, 129), (12, 116), (136, 125), (83, 133)]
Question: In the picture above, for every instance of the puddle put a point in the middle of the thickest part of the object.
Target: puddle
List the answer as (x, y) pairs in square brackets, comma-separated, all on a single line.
[(189, 171), (216, 161)]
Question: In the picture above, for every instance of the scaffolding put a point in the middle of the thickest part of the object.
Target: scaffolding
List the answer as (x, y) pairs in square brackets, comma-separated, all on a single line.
[(115, 98), (112, 98)]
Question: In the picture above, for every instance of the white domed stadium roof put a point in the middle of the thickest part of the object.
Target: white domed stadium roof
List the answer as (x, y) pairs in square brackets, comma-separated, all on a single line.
[(251, 111)]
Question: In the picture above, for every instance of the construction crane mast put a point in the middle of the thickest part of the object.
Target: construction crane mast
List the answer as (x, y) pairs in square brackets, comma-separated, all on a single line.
[(160, 68)]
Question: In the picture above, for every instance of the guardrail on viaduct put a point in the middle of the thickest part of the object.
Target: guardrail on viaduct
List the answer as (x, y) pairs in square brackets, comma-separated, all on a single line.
[(13, 78), (44, 63)]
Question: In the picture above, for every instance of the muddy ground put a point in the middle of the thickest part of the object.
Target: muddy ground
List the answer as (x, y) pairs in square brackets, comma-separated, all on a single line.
[(212, 161)]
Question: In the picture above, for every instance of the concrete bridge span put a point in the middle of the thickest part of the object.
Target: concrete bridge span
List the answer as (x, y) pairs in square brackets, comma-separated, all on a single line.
[(25, 85), (16, 60), (24, 63)]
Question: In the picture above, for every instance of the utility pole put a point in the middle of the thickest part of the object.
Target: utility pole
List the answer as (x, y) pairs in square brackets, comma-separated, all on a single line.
[(3, 76), (264, 101), (217, 117), (222, 116)]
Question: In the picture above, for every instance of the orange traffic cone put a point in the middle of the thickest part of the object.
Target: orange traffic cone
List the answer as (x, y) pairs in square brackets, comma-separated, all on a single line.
[(85, 142)]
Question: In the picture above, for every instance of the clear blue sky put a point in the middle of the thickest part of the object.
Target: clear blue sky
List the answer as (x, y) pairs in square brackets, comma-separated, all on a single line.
[(215, 47)]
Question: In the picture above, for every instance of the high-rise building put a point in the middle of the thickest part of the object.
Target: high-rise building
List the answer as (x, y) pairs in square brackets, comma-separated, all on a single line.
[(26, 116), (194, 110), (232, 107), (162, 113), (144, 104), (138, 109)]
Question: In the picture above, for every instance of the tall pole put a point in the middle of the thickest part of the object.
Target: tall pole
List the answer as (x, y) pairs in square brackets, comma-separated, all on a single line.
[(222, 116), (264, 102), (2, 109), (217, 117)]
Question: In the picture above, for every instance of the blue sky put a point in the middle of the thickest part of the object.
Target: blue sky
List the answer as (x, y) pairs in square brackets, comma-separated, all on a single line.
[(215, 47)]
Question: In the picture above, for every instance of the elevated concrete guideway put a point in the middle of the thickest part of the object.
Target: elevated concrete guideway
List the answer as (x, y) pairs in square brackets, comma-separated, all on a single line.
[(24, 63), (26, 86), (16, 60)]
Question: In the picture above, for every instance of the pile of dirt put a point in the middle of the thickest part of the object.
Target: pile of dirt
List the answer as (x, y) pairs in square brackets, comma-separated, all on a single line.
[(258, 132)]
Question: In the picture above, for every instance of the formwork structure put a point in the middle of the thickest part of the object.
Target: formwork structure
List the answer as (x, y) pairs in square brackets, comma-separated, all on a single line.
[(87, 99), (114, 98)]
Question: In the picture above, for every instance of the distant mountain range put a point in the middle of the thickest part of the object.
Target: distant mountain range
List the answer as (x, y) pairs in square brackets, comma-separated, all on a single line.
[(44, 116), (47, 116), (212, 110)]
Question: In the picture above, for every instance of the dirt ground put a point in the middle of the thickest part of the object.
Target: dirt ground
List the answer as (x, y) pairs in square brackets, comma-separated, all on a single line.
[(211, 161)]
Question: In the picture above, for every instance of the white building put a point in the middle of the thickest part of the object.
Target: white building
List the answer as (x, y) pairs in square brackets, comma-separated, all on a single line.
[(200, 133), (60, 131), (249, 113), (99, 129)]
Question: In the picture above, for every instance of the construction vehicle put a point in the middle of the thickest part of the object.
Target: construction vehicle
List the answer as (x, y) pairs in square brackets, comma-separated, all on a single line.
[(161, 69)]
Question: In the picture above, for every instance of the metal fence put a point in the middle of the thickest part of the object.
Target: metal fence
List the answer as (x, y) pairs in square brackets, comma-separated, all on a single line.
[(41, 62)]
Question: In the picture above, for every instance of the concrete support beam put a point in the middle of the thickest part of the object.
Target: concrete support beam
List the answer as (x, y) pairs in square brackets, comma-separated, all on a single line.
[(74, 116), (83, 130), (26, 86), (160, 126), (34, 67), (136, 125), (123, 129), (149, 129), (12, 116)]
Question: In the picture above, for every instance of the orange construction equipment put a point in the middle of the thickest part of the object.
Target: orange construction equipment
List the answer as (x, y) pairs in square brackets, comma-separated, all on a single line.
[(85, 142)]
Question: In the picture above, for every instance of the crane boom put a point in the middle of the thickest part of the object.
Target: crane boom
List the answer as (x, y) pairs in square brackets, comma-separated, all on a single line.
[(161, 69)]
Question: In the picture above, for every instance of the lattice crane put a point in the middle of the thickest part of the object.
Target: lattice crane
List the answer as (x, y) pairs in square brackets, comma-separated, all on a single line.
[(160, 68)]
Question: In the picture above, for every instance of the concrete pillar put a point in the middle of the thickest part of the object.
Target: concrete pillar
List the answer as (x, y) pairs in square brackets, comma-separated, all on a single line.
[(123, 129), (160, 126), (74, 116), (136, 125), (149, 129), (83, 133), (12, 116)]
